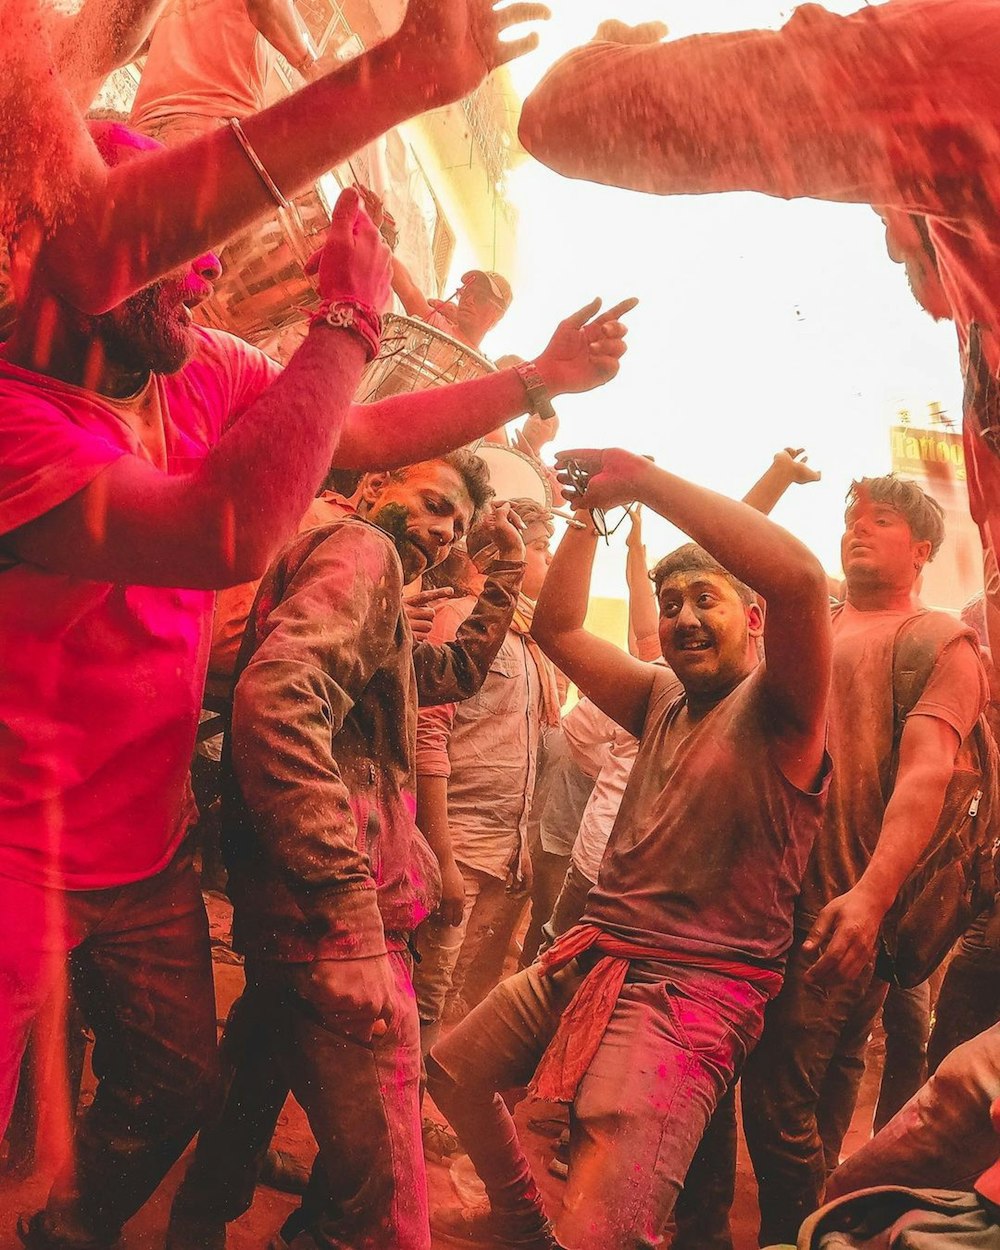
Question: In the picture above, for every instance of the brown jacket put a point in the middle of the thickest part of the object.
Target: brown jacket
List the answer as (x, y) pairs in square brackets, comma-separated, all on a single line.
[(325, 859)]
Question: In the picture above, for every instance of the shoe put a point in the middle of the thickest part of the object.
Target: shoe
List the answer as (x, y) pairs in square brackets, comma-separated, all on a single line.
[(187, 1230), (439, 1141), (480, 1225), (34, 1233), (559, 1163), (284, 1172)]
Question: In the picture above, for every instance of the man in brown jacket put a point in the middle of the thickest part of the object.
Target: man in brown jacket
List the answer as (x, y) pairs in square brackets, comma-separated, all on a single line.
[(328, 872)]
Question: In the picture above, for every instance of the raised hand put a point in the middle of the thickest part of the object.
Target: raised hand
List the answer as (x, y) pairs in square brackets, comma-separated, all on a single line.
[(447, 47), (503, 527), (795, 464), (586, 349), (354, 262), (601, 479)]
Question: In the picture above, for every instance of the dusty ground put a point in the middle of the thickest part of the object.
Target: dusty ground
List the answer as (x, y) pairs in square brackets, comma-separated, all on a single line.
[(146, 1231)]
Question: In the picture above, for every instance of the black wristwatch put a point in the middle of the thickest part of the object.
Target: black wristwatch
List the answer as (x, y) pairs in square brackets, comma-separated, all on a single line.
[(538, 395)]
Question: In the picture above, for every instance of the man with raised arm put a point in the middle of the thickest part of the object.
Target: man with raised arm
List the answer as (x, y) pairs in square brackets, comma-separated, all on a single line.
[(895, 106), (646, 1010), (145, 462), (119, 230)]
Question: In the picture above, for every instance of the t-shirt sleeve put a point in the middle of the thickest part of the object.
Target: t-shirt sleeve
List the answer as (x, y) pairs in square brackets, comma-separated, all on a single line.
[(248, 373), (957, 690), (842, 108), (45, 458)]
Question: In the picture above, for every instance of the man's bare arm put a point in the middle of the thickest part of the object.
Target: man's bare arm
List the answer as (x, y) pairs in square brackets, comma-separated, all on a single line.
[(136, 222), (583, 353), (410, 295), (764, 556), (103, 36), (830, 107), (846, 930), (278, 21), (618, 684)]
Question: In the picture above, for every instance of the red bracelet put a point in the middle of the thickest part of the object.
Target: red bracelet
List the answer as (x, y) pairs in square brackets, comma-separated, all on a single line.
[(352, 314)]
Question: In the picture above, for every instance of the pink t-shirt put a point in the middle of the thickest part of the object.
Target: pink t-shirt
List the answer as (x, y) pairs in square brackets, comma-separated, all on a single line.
[(101, 684)]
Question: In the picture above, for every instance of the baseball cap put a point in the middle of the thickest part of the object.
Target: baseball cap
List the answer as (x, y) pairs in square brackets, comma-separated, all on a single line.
[(499, 286)]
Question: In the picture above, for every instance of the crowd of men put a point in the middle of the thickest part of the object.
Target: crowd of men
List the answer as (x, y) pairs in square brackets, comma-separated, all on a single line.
[(725, 845)]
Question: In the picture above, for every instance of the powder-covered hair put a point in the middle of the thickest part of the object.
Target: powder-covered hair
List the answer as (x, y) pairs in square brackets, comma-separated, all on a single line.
[(694, 559), (473, 471), (923, 515)]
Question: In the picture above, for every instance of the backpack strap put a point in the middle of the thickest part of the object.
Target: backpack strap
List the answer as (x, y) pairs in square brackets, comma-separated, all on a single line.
[(919, 642)]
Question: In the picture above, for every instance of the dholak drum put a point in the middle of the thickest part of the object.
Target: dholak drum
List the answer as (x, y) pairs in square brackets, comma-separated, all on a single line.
[(263, 288), (415, 356), (513, 475)]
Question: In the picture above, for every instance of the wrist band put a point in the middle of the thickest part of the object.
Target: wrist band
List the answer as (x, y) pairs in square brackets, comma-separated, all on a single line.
[(352, 314), (538, 395), (255, 161)]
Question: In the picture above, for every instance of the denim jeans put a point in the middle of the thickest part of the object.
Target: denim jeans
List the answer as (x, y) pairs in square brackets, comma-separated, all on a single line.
[(448, 952), (800, 1088), (368, 1187), (142, 975), (969, 1001), (943, 1137), (676, 1039)]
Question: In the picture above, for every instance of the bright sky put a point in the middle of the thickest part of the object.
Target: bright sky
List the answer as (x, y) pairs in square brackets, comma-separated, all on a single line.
[(762, 323)]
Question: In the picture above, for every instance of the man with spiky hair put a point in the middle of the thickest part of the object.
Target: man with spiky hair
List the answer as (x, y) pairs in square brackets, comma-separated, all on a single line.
[(800, 1085)]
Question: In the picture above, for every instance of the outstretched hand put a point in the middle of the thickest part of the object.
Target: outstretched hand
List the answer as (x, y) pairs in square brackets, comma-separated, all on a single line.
[(605, 479), (796, 465), (354, 262), (586, 349), (447, 47)]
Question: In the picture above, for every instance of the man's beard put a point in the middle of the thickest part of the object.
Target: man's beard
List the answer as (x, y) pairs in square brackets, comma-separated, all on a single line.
[(148, 333)]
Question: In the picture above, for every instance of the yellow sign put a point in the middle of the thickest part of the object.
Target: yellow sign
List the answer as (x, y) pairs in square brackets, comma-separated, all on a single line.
[(925, 454)]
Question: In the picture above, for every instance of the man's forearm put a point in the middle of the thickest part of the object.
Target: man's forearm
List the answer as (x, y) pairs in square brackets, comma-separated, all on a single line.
[(453, 671), (765, 493), (751, 547), (911, 818), (186, 200), (279, 23), (565, 596), (263, 473), (405, 429)]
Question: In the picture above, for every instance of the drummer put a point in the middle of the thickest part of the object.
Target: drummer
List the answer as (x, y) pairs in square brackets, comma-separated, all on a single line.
[(476, 307)]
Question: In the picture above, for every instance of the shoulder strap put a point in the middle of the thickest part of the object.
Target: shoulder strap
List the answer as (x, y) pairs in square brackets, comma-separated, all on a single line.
[(919, 641)]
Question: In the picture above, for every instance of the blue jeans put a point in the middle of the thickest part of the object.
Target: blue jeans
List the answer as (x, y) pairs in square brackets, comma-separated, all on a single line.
[(675, 1041)]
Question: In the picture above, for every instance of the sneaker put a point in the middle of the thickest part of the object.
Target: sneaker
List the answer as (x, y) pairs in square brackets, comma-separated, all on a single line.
[(187, 1230), (282, 1171), (34, 1233), (439, 1141), (480, 1226), (559, 1163)]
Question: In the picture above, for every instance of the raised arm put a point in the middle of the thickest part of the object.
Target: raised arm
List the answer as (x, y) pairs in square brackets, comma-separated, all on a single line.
[(583, 353), (410, 295), (840, 108), (136, 222), (279, 22), (762, 555), (643, 617), (618, 684), (452, 671)]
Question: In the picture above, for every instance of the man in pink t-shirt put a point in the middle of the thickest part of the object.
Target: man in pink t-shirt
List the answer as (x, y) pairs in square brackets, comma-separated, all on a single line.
[(143, 463)]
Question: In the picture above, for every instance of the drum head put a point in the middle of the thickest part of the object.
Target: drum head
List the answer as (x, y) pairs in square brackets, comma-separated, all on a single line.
[(513, 475)]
